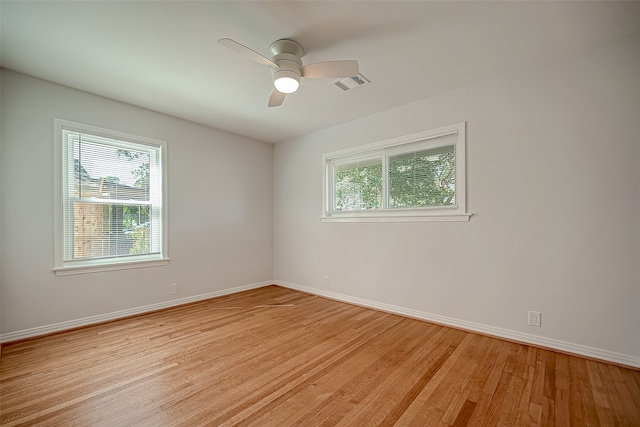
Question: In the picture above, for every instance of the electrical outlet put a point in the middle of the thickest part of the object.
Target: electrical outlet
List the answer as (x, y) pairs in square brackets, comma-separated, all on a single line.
[(173, 288), (535, 318), (327, 281)]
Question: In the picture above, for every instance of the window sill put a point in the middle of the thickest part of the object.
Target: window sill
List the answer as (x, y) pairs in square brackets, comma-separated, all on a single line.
[(391, 217), (97, 268)]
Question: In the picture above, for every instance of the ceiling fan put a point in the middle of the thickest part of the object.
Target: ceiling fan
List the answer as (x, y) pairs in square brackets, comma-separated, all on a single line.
[(287, 66)]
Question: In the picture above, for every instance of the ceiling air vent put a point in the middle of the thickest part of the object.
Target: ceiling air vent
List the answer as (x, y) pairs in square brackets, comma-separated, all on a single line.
[(349, 83)]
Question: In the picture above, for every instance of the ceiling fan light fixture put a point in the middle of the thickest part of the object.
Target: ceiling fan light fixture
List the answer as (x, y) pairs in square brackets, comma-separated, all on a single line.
[(286, 81)]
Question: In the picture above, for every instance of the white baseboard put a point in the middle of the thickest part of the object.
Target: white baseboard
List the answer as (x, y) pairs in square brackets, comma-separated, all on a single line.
[(62, 326), (563, 346)]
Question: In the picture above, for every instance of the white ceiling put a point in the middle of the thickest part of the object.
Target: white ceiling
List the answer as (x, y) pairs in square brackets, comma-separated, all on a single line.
[(164, 55)]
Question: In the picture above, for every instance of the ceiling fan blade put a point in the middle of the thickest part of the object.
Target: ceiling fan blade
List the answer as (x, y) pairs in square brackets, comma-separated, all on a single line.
[(276, 99), (249, 53), (331, 69)]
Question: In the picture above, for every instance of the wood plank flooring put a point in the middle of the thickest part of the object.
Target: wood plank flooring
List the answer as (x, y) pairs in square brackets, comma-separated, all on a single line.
[(277, 357)]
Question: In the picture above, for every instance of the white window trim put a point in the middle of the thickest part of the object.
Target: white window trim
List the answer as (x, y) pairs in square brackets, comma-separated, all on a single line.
[(101, 265), (457, 213)]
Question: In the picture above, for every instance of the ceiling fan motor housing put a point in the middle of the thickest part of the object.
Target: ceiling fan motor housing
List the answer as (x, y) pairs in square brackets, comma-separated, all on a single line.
[(291, 47), (287, 56)]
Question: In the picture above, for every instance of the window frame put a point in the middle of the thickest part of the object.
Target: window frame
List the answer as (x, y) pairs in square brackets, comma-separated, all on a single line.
[(393, 147), (62, 267)]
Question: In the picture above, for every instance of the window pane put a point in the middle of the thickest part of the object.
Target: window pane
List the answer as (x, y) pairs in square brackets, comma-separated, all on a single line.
[(423, 178), (358, 185), (107, 172), (112, 200), (109, 230)]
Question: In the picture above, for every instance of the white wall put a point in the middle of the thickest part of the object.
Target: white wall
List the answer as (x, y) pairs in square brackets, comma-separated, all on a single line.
[(220, 209), (553, 181)]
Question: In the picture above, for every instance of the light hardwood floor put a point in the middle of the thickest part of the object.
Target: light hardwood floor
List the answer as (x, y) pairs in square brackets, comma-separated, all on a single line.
[(277, 357)]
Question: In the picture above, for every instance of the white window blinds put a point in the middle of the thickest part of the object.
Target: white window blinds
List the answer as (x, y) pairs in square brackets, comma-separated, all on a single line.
[(358, 185), (424, 177)]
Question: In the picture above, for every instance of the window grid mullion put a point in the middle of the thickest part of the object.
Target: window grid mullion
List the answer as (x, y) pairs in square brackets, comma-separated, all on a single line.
[(385, 181)]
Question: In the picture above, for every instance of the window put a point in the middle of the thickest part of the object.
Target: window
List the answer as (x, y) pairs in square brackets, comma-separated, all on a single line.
[(419, 177), (109, 199)]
